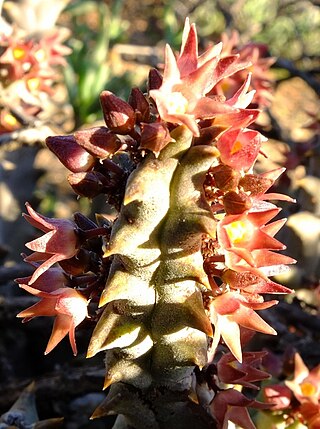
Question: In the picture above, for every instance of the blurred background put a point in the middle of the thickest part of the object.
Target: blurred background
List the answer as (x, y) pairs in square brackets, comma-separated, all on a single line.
[(56, 56)]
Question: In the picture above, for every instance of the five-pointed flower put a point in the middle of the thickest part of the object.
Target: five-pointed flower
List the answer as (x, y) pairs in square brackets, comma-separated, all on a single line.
[(248, 243), (66, 304), (59, 242), (231, 405), (239, 148), (305, 384), (181, 97), (298, 398), (246, 373), (231, 310)]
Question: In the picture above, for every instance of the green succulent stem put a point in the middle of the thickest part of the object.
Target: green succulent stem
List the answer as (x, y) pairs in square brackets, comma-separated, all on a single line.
[(154, 328)]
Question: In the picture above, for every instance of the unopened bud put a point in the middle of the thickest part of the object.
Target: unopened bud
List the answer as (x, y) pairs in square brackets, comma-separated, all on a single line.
[(209, 135), (236, 203), (86, 184), (255, 184), (154, 79), (118, 114), (225, 178), (83, 222), (238, 280), (140, 105), (77, 265), (72, 156), (99, 141), (154, 137)]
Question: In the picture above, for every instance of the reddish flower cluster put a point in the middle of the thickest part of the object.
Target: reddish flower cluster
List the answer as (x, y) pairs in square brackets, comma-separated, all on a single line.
[(187, 80), (245, 249), (31, 59), (298, 399), (27, 68), (257, 54), (60, 243), (238, 260)]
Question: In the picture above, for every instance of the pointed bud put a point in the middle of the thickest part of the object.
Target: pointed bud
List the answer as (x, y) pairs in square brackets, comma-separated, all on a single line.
[(225, 178), (86, 184), (71, 155), (83, 222), (154, 79), (140, 105), (255, 184), (236, 203), (77, 265), (209, 134), (154, 136), (118, 114), (98, 141), (251, 283)]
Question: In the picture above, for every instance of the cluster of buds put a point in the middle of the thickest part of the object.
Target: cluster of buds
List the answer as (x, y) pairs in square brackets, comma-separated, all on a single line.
[(27, 70), (238, 252), (60, 288)]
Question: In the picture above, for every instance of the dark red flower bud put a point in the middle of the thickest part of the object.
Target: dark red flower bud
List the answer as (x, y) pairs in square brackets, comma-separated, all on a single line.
[(209, 134), (255, 184), (86, 184), (60, 241), (140, 105), (98, 141), (154, 79), (236, 203), (83, 222), (77, 265), (154, 136), (225, 178), (72, 156), (118, 114)]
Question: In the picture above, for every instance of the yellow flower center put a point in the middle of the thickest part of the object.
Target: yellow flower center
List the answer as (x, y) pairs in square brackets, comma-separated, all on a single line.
[(19, 53), (225, 86), (308, 389), (33, 83), (177, 103), (10, 120), (236, 147), (239, 231)]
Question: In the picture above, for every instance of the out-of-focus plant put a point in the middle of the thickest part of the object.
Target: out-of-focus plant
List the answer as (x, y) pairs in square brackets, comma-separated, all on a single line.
[(261, 80), (295, 402), (23, 413), (171, 27), (90, 68), (279, 24), (173, 279), (31, 47)]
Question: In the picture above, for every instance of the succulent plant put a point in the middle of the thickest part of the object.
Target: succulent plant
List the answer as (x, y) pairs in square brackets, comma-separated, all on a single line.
[(175, 278)]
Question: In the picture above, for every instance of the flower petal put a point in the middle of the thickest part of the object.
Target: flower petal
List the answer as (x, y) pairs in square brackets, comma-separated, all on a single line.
[(61, 327), (45, 266), (188, 58)]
